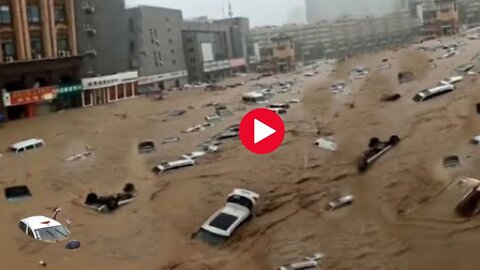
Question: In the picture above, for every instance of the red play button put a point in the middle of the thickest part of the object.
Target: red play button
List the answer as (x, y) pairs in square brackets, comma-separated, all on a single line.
[(262, 131)]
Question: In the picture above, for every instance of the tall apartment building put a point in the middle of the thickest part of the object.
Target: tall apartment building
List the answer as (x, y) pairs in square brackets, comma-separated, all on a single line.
[(328, 10), (215, 49), (440, 17), (38, 55), (102, 36), (155, 47), (342, 37)]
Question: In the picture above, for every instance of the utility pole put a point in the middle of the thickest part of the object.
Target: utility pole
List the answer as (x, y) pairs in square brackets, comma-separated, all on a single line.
[(230, 11)]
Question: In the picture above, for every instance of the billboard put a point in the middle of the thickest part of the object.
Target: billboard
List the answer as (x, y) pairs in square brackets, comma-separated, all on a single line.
[(207, 52)]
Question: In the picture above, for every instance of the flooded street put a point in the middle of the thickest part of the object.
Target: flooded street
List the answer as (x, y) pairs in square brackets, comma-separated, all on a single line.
[(396, 222)]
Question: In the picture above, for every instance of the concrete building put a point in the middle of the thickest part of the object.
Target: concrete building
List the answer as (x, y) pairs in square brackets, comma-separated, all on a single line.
[(469, 12), (38, 56), (215, 49), (155, 47), (327, 10), (440, 17), (280, 57), (102, 36), (342, 37), (110, 88)]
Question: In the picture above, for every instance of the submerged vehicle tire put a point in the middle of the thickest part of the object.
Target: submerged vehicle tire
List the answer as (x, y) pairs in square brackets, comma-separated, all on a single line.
[(112, 203), (92, 198), (394, 140), (129, 188), (362, 164), (373, 143)]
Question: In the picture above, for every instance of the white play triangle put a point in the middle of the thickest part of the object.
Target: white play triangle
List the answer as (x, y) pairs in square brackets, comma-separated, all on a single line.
[(261, 131)]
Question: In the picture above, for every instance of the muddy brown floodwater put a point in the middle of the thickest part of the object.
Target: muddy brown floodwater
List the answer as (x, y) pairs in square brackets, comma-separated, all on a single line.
[(398, 220)]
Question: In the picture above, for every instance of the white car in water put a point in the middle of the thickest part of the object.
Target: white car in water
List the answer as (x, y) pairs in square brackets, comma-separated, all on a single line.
[(167, 166), (194, 155), (44, 229), (451, 80), (230, 217)]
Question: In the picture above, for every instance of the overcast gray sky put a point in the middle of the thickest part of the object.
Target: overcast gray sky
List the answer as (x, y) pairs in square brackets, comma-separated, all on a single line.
[(260, 12)]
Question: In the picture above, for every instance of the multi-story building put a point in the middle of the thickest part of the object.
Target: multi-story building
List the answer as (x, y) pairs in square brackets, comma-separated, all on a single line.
[(327, 10), (39, 59), (102, 36), (469, 11), (342, 37), (440, 17), (155, 47), (280, 57), (216, 48)]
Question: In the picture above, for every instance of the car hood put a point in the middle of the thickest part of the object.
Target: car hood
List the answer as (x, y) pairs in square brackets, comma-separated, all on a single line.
[(236, 210)]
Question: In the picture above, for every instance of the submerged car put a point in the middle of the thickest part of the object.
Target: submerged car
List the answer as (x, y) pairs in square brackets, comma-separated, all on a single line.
[(237, 210), (45, 229), (172, 165), (451, 80), (194, 155), (279, 106), (433, 92), (376, 149), (111, 202)]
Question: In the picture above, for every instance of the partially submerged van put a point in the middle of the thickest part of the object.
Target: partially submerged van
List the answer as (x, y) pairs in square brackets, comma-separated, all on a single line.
[(29, 144), (254, 98), (433, 92)]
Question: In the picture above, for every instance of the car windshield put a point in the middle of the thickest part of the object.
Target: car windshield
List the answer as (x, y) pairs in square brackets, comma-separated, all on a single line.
[(223, 221), (55, 233)]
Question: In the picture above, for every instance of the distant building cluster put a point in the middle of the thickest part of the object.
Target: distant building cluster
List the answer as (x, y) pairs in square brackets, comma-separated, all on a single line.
[(341, 37)]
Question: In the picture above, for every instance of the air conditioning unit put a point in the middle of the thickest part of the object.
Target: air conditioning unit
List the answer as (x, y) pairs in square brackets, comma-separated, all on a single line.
[(9, 59), (67, 53), (61, 53), (92, 52), (87, 7)]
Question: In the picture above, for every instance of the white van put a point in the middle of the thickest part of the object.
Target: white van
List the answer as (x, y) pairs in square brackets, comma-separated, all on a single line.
[(433, 92), (172, 165), (23, 146), (254, 98)]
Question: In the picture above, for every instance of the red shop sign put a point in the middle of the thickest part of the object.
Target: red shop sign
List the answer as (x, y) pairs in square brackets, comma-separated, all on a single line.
[(32, 95)]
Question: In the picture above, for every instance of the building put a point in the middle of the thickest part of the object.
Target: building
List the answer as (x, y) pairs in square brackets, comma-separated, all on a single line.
[(280, 57), (110, 88), (155, 47), (440, 17), (342, 37), (39, 60), (469, 12), (327, 10), (102, 36), (215, 49)]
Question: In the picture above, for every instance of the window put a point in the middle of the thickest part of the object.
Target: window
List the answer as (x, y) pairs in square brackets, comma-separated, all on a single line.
[(166, 19), (36, 45), (59, 11), (8, 48), (33, 14), (155, 32), (30, 233), (5, 15), (170, 40), (22, 226), (193, 59), (30, 147), (169, 30), (172, 51), (131, 25), (132, 46), (62, 42), (151, 34), (159, 56), (191, 50), (174, 62)]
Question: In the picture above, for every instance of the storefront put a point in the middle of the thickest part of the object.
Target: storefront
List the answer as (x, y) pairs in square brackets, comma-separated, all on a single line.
[(158, 82), (111, 88), (69, 96), (29, 103)]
